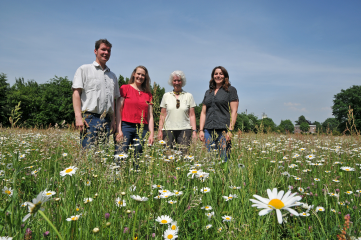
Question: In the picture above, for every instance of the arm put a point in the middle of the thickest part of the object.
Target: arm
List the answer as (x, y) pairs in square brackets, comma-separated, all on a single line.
[(113, 125), (119, 109), (202, 122), (192, 118), (77, 109), (150, 124), (234, 108), (163, 114)]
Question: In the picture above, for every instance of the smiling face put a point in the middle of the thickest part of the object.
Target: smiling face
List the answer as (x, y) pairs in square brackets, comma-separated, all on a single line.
[(218, 76), (102, 54), (177, 83), (139, 76)]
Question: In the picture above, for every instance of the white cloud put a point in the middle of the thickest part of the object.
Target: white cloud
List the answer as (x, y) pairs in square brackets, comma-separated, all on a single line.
[(290, 104)]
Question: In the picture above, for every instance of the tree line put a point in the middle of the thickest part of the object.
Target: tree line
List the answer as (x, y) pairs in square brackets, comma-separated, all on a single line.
[(29, 104)]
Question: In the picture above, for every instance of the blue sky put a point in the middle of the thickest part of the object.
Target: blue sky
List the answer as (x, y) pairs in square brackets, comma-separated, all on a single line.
[(285, 58)]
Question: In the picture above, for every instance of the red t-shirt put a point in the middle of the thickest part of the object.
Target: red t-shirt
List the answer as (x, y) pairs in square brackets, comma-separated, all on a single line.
[(135, 103)]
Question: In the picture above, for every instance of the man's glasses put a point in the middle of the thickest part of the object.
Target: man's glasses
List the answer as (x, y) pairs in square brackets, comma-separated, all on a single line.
[(178, 103)]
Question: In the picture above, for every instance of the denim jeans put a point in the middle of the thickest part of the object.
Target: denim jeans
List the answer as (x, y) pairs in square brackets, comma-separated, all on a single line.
[(97, 132), (130, 132), (217, 138)]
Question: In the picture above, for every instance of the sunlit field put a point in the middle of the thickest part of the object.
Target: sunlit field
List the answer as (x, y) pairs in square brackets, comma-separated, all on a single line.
[(164, 194)]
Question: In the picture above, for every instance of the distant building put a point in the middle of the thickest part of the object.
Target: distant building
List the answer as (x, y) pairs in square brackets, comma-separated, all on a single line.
[(312, 129)]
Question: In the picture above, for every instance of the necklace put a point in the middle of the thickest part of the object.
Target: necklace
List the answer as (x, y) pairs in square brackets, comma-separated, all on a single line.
[(177, 93)]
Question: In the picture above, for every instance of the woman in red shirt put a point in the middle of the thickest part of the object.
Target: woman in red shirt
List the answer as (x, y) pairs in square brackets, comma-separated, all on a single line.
[(135, 107)]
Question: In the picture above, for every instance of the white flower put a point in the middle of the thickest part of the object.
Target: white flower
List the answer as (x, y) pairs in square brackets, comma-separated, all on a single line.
[(173, 226), (120, 203), (348, 169), (277, 201), (36, 205), (139, 198), (73, 218), (230, 197), (208, 226), (177, 193), (69, 171), (349, 192), (7, 191), (157, 186), (87, 200), (170, 234), (120, 156), (227, 218), (48, 193), (234, 187), (171, 202), (205, 190), (320, 209), (65, 154), (208, 208), (132, 188), (304, 214), (210, 215), (164, 219)]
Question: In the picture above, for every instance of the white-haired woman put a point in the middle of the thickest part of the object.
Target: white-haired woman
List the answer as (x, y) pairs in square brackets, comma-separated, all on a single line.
[(177, 122)]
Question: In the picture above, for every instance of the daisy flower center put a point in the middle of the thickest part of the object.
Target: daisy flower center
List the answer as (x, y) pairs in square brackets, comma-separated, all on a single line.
[(48, 193), (7, 192), (170, 236), (68, 170), (227, 218), (74, 218), (276, 203), (194, 171), (164, 221), (174, 227)]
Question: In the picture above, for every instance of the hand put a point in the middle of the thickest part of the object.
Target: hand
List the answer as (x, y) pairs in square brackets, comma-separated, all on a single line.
[(79, 124), (201, 136), (228, 136), (119, 136), (151, 139), (194, 135), (160, 135)]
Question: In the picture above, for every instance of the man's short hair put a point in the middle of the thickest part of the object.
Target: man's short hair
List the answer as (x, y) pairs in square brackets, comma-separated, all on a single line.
[(100, 41)]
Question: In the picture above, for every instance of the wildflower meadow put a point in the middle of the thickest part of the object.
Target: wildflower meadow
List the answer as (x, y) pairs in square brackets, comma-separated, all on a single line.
[(272, 187)]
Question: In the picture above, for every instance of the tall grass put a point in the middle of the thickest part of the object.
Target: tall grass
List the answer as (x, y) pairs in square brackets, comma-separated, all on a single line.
[(256, 164)]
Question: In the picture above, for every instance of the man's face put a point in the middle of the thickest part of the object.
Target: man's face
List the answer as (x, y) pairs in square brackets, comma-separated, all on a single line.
[(102, 54)]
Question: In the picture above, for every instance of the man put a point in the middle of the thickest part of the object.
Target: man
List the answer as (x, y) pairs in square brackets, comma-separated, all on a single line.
[(95, 90)]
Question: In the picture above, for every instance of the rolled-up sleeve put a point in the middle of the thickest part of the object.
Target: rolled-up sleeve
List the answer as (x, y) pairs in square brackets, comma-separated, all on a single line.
[(78, 79), (233, 94)]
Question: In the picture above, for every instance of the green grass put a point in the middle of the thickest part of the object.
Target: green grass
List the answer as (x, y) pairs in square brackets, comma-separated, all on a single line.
[(261, 155)]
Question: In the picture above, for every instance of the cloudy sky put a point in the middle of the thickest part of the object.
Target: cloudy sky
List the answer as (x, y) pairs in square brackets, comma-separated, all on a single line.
[(285, 58)]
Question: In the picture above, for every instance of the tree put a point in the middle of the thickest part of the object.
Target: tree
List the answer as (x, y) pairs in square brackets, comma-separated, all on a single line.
[(122, 81), (157, 93), (330, 124), (268, 124), (197, 111), (302, 119), (350, 97), (4, 110), (305, 127), (286, 126), (318, 126)]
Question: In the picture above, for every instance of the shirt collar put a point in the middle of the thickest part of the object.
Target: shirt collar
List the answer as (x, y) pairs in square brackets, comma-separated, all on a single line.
[(183, 92), (97, 65)]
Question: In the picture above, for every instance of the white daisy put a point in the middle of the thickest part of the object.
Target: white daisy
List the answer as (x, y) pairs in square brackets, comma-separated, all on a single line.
[(227, 218), (120, 203), (139, 198), (73, 218), (36, 205), (7, 191), (277, 201), (69, 171), (170, 234), (164, 219)]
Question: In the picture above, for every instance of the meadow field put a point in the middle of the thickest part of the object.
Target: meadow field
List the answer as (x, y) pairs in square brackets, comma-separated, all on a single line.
[(52, 189)]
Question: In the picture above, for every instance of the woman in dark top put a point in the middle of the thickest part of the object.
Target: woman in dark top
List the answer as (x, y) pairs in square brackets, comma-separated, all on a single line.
[(216, 122)]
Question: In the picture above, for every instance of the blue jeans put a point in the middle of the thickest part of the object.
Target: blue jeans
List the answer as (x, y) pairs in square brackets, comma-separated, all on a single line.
[(97, 132), (130, 132), (216, 138)]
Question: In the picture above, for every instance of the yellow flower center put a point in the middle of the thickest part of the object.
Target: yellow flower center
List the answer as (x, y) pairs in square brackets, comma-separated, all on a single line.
[(69, 170), (230, 197), (227, 218), (170, 236), (174, 227), (49, 193), (77, 209), (194, 171), (205, 190), (276, 203), (177, 193), (164, 221), (74, 218), (347, 169), (207, 207), (7, 192)]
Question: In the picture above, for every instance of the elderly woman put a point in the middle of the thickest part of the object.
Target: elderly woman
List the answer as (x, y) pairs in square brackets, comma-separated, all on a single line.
[(216, 121), (177, 122), (134, 109)]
